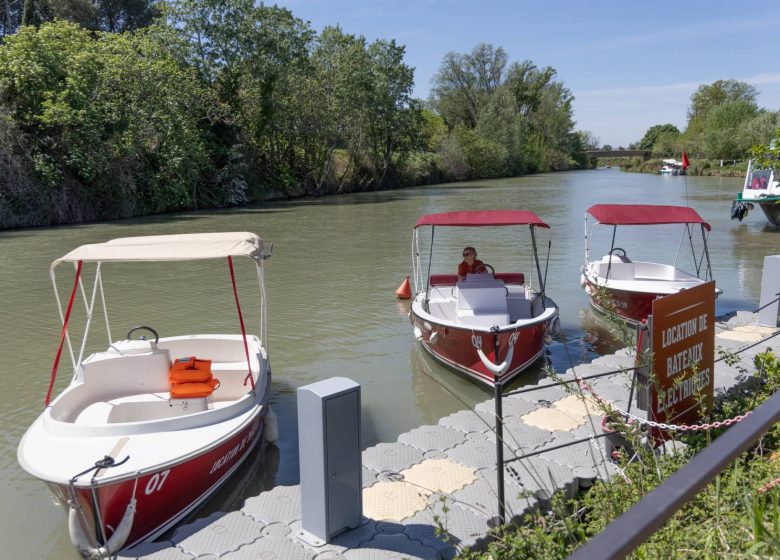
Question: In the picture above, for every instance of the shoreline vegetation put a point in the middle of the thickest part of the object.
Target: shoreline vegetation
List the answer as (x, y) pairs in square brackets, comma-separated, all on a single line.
[(117, 110), (697, 168)]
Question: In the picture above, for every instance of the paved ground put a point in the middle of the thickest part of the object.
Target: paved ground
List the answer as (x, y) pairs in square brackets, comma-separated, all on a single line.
[(445, 474)]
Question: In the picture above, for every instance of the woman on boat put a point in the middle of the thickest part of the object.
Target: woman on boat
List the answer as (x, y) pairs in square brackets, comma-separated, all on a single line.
[(470, 264)]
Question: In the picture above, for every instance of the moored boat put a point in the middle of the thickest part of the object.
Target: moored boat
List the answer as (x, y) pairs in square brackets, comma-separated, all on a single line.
[(761, 187), (148, 429), (672, 167), (617, 284), (489, 326)]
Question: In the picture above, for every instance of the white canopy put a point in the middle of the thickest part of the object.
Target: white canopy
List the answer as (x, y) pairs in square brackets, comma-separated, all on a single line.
[(182, 247)]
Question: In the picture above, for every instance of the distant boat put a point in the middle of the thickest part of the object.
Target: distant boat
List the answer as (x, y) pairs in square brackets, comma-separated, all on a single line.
[(672, 167), (762, 187)]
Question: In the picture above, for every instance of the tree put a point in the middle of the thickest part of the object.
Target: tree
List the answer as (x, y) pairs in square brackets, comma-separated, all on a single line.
[(767, 155), (433, 129), (667, 144), (721, 139), (649, 139), (111, 122), (588, 140), (465, 82), (761, 129), (709, 96), (10, 16)]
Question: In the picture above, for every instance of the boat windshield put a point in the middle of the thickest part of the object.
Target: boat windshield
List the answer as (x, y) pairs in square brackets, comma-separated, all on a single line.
[(759, 179)]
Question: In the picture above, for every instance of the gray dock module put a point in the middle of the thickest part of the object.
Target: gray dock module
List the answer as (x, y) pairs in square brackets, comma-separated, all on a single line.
[(769, 306), (330, 460)]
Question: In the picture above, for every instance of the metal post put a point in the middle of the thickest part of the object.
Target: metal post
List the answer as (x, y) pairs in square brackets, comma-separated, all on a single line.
[(499, 437), (769, 305)]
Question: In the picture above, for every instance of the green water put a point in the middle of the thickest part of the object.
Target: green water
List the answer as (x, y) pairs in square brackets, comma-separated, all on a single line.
[(332, 310)]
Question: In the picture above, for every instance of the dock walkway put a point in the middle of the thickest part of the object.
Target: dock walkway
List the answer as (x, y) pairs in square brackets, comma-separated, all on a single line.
[(445, 474)]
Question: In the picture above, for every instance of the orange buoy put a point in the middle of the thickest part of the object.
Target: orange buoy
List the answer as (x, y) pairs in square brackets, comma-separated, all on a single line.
[(404, 291)]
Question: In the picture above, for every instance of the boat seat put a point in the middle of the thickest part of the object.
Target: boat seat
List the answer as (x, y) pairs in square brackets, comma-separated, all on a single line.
[(443, 279), (519, 307), (511, 277), (617, 271), (482, 302)]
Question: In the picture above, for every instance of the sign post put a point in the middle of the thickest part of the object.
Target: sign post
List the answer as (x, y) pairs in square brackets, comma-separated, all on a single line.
[(683, 347)]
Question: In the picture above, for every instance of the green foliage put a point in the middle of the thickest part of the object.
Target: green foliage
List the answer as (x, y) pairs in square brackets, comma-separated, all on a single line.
[(650, 138), (720, 92), (227, 101), (433, 129), (766, 155), (111, 122), (517, 109), (737, 515), (720, 135)]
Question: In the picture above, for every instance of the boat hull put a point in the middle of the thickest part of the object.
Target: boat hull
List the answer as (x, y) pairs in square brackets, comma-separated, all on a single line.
[(453, 347), (166, 494), (771, 211), (632, 306)]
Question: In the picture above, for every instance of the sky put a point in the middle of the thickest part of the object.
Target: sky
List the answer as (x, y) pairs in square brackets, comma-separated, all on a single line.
[(630, 64)]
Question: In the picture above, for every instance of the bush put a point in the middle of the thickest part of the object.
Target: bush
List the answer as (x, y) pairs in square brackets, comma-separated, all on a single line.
[(112, 121), (737, 515)]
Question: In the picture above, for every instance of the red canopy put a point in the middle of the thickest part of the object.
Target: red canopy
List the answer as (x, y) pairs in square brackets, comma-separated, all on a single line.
[(644, 214), (478, 218)]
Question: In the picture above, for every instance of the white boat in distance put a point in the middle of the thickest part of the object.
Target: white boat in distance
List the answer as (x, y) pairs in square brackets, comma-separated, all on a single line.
[(148, 429), (672, 167)]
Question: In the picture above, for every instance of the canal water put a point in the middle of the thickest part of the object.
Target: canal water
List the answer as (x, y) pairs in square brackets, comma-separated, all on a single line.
[(332, 310)]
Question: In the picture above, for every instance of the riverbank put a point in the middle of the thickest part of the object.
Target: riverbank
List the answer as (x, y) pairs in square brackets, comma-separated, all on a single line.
[(697, 168)]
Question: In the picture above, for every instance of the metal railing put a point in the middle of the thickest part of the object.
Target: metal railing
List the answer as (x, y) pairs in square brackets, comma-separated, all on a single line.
[(636, 525)]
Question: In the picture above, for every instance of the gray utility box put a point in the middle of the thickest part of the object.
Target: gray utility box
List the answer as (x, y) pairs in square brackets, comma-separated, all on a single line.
[(769, 316), (330, 459)]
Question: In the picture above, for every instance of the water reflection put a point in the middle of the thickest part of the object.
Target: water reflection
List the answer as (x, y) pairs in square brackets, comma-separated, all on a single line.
[(600, 336)]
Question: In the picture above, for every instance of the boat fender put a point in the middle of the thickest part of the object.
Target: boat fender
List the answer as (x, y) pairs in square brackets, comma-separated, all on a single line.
[(553, 327), (434, 338), (115, 543), (497, 369), (417, 333), (271, 426)]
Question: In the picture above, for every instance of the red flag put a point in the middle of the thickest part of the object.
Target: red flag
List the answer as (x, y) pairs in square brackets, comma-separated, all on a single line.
[(685, 161)]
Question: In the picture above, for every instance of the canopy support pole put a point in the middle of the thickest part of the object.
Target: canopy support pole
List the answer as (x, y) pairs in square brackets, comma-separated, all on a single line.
[(241, 321), (64, 331), (536, 260)]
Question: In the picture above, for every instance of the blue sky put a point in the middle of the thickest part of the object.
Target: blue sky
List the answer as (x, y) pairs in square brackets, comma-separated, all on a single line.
[(629, 64)]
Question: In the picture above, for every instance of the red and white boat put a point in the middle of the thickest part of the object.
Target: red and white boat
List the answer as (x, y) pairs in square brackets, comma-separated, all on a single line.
[(617, 284), (148, 429), (489, 326)]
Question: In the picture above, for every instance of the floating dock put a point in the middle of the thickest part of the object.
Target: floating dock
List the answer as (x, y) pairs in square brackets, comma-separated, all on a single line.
[(444, 475)]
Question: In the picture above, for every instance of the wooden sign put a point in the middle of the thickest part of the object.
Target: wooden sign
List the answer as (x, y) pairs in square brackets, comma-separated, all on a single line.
[(683, 346)]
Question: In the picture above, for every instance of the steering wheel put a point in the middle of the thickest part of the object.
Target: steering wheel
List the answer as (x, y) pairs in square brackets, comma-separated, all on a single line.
[(622, 251), (143, 328), (488, 268)]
